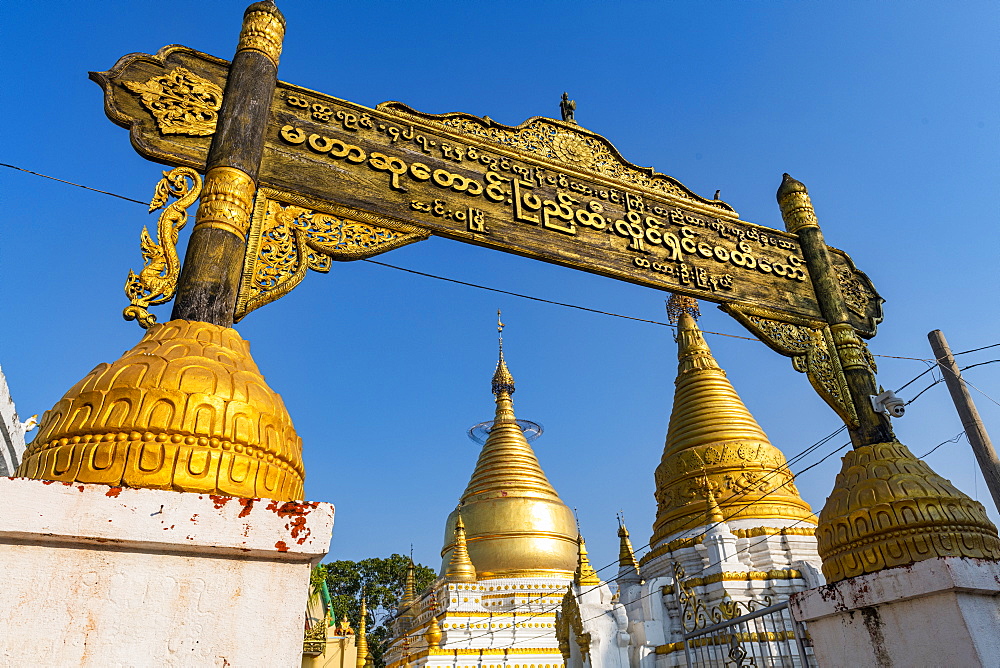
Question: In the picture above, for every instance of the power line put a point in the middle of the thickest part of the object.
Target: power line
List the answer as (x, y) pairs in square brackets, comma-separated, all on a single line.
[(798, 457), (992, 345), (483, 287), (950, 440), (78, 185)]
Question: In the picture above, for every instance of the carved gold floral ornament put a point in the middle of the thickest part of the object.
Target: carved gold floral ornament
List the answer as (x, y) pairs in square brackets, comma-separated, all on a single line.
[(290, 234), (182, 102)]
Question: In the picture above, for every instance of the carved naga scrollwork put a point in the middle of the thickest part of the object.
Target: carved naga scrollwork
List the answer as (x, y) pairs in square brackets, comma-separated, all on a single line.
[(810, 345), (157, 281), (290, 234)]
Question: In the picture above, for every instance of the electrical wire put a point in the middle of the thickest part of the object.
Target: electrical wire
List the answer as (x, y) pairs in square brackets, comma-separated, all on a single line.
[(484, 287), (950, 440), (964, 352), (798, 457), (46, 176), (617, 315)]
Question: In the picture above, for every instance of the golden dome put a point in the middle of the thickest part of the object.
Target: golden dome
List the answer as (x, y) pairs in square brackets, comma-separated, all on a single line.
[(185, 409), (516, 524), (889, 508), (715, 448)]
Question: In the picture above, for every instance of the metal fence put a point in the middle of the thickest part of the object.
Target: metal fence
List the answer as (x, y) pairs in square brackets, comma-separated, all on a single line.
[(740, 634)]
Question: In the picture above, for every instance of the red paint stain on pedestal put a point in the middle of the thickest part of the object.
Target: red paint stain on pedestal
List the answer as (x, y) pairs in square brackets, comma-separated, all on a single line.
[(247, 507), (280, 546), (113, 492), (219, 501)]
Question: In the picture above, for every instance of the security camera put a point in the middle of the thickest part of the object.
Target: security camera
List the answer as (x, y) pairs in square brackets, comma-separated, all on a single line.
[(888, 403)]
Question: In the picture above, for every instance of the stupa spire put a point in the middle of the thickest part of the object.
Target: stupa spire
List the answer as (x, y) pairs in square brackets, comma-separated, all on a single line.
[(627, 565), (585, 575), (714, 441), (515, 521), (409, 596), (461, 568), (361, 640), (506, 461)]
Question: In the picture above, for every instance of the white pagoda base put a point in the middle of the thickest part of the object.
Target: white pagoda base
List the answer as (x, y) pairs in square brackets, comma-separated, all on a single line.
[(938, 612), (103, 576)]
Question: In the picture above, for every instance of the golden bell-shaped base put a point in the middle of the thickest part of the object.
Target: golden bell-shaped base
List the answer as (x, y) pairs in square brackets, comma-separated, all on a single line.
[(889, 508), (185, 409)]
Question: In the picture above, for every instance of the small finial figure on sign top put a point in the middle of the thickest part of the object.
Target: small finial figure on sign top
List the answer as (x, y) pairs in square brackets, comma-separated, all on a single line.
[(567, 108)]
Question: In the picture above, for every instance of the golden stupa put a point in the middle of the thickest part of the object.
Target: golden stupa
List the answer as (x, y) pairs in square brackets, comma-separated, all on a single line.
[(186, 409), (515, 523), (715, 448)]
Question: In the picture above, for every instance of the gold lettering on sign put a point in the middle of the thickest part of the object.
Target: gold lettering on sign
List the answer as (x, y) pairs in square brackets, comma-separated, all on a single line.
[(182, 102), (664, 240)]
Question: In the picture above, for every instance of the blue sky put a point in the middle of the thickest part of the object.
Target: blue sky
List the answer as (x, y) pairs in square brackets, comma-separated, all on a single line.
[(886, 111)]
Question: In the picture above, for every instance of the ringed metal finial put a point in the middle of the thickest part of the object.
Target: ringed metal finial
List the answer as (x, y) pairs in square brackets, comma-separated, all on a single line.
[(678, 305), (500, 327)]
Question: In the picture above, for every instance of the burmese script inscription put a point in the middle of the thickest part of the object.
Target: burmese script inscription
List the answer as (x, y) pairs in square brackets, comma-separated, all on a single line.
[(544, 189), (459, 189)]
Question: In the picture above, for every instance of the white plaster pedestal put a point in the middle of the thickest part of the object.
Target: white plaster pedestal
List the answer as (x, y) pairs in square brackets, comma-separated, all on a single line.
[(938, 612), (92, 575)]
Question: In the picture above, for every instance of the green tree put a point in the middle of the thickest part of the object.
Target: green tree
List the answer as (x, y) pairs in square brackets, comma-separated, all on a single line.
[(383, 581)]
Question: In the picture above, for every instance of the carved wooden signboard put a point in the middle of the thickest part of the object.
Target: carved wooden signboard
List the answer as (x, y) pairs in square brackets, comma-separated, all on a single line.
[(342, 181)]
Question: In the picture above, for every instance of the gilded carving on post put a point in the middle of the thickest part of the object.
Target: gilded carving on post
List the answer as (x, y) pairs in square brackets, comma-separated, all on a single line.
[(181, 102), (290, 234), (157, 281), (570, 621), (797, 209), (263, 30), (812, 347), (857, 295), (226, 201)]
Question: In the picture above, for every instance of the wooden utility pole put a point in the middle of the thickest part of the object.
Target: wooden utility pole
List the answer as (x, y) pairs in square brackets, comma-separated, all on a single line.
[(974, 428)]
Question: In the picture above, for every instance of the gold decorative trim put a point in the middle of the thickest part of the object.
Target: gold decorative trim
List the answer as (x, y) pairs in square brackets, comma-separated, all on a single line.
[(727, 639), (263, 31), (181, 102), (743, 576), (226, 201), (811, 346), (572, 148), (157, 281), (458, 614), (672, 546), (290, 234), (569, 619), (525, 573), (797, 212), (774, 531), (889, 509)]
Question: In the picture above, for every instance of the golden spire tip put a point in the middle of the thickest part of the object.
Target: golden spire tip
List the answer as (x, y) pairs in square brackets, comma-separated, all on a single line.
[(503, 381), (678, 305)]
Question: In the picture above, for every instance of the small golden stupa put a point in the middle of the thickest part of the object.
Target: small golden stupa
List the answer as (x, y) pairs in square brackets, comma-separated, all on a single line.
[(515, 523), (715, 448), (186, 409)]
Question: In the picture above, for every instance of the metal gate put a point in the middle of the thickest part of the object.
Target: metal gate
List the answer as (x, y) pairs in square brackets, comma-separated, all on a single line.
[(739, 634)]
